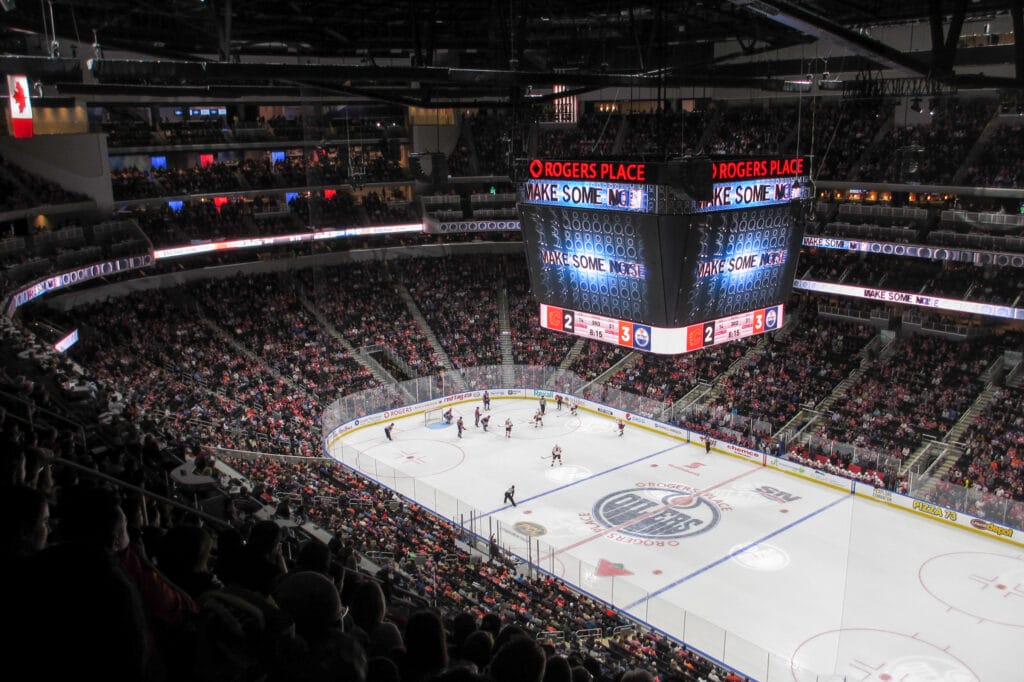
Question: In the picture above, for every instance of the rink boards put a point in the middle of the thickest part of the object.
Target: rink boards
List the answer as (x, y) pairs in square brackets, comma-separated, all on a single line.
[(746, 558)]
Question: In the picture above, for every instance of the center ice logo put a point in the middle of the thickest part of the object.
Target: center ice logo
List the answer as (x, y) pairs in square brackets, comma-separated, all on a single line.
[(656, 513)]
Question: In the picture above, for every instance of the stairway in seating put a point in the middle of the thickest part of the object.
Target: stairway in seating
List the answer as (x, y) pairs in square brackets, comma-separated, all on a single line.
[(853, 377), (970, 414), (953, 438), (573, 353), (625, 363), (505, 336), (256, 359), (751, 356), (428, 333), (365, 359)]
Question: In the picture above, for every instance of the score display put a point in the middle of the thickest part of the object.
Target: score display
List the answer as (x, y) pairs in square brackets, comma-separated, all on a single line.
[(707, 258), (668, 341)]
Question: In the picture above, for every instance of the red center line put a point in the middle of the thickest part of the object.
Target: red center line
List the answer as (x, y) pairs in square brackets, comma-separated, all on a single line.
[(642, 517)]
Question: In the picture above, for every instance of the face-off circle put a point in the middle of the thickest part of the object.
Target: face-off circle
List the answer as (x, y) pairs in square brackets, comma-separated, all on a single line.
[(412, 460), (985, 586), (870, 655)]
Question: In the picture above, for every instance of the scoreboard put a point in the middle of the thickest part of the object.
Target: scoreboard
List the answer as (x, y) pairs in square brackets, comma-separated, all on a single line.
[(668, 341), (666, 258)]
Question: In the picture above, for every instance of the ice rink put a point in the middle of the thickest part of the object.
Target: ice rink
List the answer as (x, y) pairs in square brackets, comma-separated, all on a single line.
[(778, 577)]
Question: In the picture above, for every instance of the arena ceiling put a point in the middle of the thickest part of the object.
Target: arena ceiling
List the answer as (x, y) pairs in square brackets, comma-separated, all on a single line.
[(454, 52)]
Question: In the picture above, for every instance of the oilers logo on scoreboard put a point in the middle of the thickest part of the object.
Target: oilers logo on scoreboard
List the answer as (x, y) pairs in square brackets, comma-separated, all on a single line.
[(641, 337), (771, 318)]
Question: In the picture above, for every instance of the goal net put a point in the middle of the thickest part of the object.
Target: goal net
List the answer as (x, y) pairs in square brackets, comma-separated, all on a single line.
[(433, 417)]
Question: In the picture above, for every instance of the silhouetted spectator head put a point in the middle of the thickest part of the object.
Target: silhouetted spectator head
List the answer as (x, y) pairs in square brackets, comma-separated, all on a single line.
[(492, 623), (382, 669), (24, 520), (637, 676), (184, 557), (463, 625), (507, 634), (520, 660), (426, 649), (593, 666), (459, 675), (367, 605), (581, 674), (13, 461), (314, 556), (557, 669), (335, 657), (386, 640), (311, 599), (93, 516), (477, 648), (263, 562), (101, 631), (230, 555)]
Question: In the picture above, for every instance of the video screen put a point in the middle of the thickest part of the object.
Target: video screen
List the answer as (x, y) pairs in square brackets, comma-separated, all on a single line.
[(605, 262), (736, 261)]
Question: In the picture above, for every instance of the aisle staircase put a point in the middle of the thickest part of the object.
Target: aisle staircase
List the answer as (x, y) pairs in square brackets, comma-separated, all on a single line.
[(255, 358), (505, 336), (628, 361), (971, 414), (428, 333), (360, 355), (952, 447), (573, 353), (805, 418)]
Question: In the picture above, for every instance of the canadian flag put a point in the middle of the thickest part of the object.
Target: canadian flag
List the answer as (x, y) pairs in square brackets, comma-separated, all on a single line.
[(21, 105)]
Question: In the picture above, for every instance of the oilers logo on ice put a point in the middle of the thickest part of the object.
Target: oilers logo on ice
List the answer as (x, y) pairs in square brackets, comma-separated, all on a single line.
[(655, 514)]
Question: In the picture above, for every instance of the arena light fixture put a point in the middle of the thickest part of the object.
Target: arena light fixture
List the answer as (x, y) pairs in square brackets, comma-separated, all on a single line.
[(830, 82), (797, 85)]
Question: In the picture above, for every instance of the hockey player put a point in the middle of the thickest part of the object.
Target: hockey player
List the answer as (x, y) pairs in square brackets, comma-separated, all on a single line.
[(573, 408), (556, 455), (447, 414), (558, 402), (538, 418), (487, 400), (508, 428), (461, 426), (476, 416), (388, 429), (542, 403), (510, 493), (622, 427), (484, 421)]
